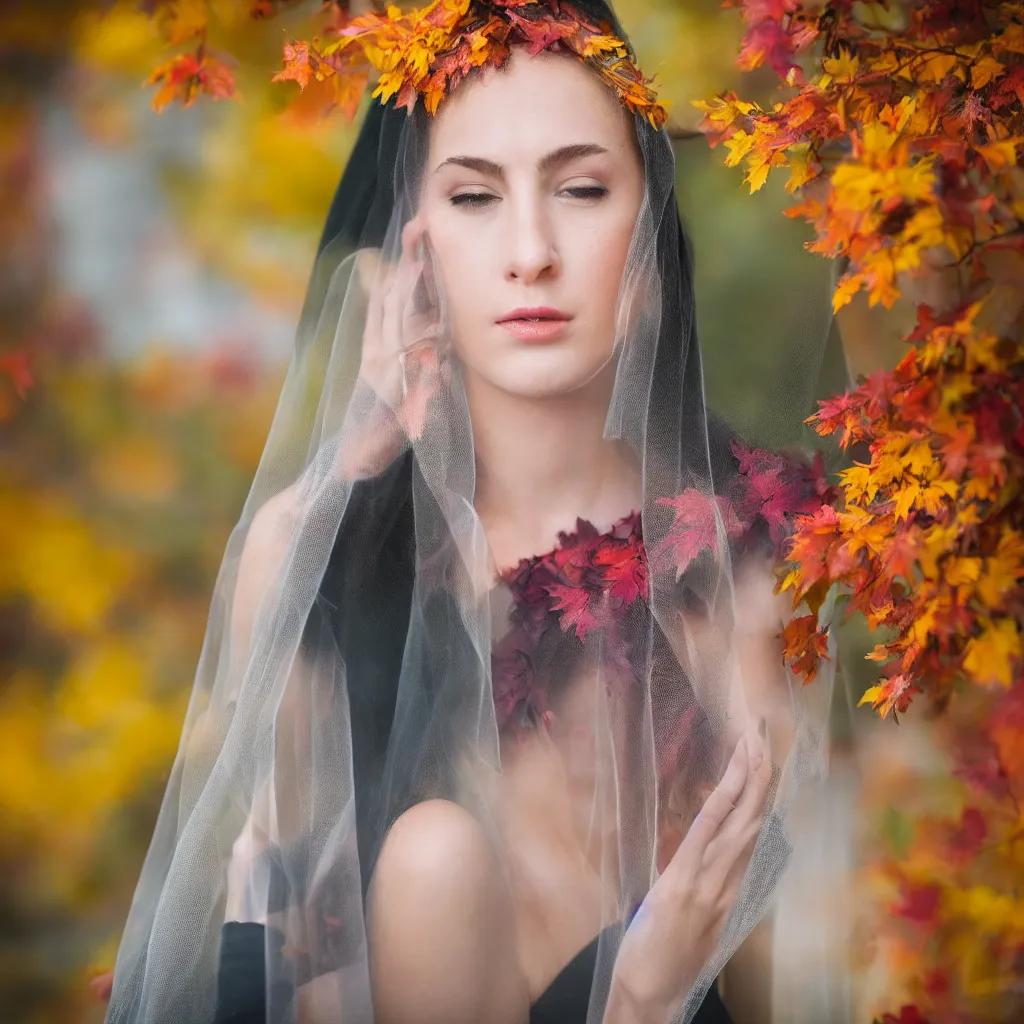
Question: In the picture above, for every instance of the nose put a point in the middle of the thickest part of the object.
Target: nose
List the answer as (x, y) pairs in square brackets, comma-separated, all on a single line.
[(533, 252)]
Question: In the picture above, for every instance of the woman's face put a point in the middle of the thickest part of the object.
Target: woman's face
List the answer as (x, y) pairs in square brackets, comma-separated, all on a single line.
[(533, 187)]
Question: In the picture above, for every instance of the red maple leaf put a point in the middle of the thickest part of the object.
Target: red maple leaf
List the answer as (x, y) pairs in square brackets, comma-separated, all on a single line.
[(699, 517), (985, 776), (908, 1015), (918, 903), (17, 367), (626, 571), (769, 41), (1007, 731), (540, 33), (968, 836), (574, 605), (845, 411)]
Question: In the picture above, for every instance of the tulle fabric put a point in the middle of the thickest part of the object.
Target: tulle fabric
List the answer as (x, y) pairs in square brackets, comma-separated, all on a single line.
[(358, 654)]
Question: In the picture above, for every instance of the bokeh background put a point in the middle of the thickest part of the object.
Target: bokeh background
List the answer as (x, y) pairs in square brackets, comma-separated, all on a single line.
[(153, 268)]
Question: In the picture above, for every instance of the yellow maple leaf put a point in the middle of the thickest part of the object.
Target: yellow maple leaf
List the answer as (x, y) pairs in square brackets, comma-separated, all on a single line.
[(986, 70), (803, 167), (990, 657), (960, 572), (847, 287), (1001, 154), (877, 138), (843, 68), (1004, 570), (739, 145), (1011, 39), (936, 494), (859, 483), (936, 66), (920, 459), (886, 16), (184, 19), (599, 46)]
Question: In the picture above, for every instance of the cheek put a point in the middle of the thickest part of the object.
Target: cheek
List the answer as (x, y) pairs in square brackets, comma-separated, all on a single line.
[(461, 263), (601, 259)]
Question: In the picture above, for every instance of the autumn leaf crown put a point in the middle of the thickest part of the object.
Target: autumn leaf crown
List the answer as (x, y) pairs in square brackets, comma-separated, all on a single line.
[(428, 51)]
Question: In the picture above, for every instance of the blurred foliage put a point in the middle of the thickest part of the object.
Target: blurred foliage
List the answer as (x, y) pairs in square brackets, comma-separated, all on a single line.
[(119, 487)]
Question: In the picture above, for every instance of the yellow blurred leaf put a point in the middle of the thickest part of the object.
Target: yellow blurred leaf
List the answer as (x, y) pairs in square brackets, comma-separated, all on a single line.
[(138, 468)]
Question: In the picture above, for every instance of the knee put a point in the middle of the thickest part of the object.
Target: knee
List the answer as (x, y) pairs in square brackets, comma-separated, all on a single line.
[(435, 851), (440, 923)]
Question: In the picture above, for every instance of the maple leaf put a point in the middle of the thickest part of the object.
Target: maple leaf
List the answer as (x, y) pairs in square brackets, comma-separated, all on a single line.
[(182, 20), (919, 903), (969, 835), (302, 62), (698, 519), (1006, 727), (895, 694), (186, 77), (541, 32), (769, 42), (626, 571), (810, 551), (994, 655), (842, 411), (908, 1014), (804, 644), (18, 369), (775, 488), (574, 606)]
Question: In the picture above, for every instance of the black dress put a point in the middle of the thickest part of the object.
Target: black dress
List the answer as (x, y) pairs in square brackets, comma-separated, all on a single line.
[(241, 981)]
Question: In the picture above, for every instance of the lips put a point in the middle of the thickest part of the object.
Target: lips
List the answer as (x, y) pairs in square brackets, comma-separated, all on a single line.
[(535, 323)]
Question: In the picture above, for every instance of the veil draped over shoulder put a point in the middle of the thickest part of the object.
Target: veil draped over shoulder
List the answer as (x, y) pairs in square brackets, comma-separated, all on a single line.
[(364, 654)]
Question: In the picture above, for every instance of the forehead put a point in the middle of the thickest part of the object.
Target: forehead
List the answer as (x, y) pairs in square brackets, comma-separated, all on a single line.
[(533, 105)]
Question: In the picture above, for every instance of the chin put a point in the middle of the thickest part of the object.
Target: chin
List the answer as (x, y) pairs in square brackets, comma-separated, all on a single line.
[(545, 371)]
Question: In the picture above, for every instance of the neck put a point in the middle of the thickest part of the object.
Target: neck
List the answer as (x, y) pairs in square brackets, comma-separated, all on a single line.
[(554, 449)]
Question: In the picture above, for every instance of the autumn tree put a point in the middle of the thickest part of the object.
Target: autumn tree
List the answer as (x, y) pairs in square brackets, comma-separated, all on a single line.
[(901, 125)]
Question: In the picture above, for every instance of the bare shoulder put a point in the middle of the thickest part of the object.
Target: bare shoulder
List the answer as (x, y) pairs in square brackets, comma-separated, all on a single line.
[(442, 933)]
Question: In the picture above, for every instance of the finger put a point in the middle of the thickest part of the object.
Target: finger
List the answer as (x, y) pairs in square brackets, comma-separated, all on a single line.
[(413, 231), (373, 275), (735, 840), (716, 809), (398, 303)]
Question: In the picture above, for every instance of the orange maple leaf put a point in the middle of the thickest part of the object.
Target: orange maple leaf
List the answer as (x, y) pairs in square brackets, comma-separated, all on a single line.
[(189, 75), (805, 643), (895, 694), (303, 62)]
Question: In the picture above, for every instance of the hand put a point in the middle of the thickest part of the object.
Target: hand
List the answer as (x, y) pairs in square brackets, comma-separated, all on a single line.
[(677, 927), (247, 878), (400, 363)]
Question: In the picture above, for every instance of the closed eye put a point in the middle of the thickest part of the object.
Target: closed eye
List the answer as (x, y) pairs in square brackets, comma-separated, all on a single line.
[(585, 191), (476, 200)]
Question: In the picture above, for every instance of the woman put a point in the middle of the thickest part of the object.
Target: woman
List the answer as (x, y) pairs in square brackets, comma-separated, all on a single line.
[(498, 620)]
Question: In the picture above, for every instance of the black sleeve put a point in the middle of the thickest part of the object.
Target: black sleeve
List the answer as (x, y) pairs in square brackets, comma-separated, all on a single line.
[(242, 975)]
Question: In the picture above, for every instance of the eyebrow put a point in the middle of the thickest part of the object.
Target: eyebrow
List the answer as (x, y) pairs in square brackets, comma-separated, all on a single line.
[(548, 162)]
